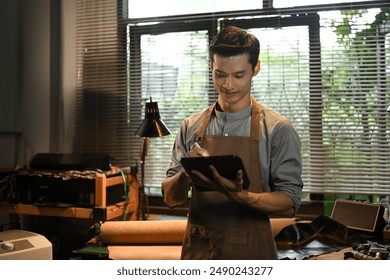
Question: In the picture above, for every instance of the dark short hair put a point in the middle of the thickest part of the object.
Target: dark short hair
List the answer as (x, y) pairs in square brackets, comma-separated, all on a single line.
[(232, 41)]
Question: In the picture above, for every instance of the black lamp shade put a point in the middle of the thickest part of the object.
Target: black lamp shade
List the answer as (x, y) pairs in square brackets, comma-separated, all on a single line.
[(152, 126)]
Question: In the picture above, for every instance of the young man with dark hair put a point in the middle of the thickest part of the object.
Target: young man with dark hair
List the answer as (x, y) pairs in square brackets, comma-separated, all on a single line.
[(224, 223)]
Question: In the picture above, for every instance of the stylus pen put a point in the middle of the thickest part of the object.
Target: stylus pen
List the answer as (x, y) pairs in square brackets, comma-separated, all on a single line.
[(203, 152)]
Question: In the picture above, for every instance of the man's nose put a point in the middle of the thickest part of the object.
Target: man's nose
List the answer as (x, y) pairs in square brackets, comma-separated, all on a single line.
[(227, 83)]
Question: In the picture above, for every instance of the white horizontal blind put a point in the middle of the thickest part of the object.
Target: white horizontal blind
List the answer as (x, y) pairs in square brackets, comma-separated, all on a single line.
[(342, 117), (355, 85), (295, 3), (174, 72), (333, 85)]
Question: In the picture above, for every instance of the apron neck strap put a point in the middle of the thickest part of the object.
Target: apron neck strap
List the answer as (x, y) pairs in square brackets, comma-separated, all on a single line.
[(255, 120)]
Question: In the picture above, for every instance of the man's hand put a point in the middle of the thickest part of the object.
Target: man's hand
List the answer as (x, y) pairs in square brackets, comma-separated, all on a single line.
[(275, 203), (217, 182), (231, 188), (198, 151)]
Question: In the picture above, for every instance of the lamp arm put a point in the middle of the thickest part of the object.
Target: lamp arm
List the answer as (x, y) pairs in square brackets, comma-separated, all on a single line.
[(144, 148), (143, 199)]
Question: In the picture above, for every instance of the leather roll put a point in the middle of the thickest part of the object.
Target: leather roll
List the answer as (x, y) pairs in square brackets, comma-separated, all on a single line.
[(143, 232)]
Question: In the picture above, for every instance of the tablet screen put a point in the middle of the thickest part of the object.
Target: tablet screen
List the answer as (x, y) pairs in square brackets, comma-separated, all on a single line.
[(226, 165)]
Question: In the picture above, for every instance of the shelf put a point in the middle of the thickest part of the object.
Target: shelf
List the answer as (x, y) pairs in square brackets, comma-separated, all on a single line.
[(101, 211)]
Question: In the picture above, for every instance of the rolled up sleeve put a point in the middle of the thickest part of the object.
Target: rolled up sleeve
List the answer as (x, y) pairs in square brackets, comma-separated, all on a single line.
[(281, 161)]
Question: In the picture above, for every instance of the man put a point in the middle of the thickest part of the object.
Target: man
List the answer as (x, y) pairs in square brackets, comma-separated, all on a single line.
[(224, 223)]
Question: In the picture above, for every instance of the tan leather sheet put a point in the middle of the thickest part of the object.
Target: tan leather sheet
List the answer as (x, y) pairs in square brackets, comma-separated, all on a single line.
[(154, 240), (141, 252)]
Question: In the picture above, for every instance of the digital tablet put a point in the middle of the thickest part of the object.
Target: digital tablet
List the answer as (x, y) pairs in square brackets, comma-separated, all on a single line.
[(226, 165)]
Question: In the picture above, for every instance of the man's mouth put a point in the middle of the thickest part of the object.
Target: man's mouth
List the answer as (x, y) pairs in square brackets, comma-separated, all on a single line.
[(229, 92)]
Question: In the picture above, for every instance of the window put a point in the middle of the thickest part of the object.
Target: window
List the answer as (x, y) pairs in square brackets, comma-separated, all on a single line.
[(285, 4), (327, 70), (158, 8), (174, 67), (355, 84)]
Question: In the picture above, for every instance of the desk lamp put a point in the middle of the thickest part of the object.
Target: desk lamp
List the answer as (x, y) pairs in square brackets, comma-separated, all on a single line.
[(152, 126)]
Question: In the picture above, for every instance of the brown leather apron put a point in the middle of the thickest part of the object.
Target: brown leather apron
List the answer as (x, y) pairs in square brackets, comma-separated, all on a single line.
[(217, 227)]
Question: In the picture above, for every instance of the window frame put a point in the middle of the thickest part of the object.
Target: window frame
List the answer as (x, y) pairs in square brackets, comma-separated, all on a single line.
[(294, 16), (280, 18), (311, 20)]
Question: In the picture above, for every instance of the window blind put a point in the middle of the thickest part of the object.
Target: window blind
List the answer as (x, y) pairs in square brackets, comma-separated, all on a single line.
[(332, 81), (355, 50), (326, 69), (102, 103), (173, 64)]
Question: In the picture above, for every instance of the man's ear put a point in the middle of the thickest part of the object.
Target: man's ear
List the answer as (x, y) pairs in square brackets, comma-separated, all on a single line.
[(257, 68), (211, 65)]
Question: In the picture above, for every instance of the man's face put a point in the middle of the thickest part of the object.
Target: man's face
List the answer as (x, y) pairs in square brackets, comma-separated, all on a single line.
[(232, 77)]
